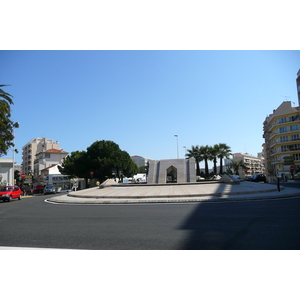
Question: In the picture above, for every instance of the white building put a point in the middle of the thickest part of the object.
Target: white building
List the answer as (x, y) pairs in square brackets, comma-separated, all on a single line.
[(30, 150), (6, 171), (48, 158), (52, 176), (140, 161)]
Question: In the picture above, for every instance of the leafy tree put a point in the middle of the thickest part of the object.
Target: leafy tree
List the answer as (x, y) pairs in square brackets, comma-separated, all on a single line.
[(6, 124), (103, 156), (224, 152), (100, 157), (142, 169), (195, 153), (75, 165)]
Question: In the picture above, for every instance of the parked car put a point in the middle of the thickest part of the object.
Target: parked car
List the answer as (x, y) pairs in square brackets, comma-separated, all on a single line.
[(257, 178), (238, 177), (10, 192), (49, 189)]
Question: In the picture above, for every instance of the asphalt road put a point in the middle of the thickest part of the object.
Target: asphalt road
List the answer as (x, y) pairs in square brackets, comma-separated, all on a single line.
[(271, 224)]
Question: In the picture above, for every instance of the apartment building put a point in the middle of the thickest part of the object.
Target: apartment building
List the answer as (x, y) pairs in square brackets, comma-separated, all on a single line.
[(140, 161), (30, 150), (298, 86), (47, 158), (282, 140), (253, 164)]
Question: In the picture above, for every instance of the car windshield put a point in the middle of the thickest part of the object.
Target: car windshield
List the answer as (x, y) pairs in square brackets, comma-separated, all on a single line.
[(49, 187), (5, 188)]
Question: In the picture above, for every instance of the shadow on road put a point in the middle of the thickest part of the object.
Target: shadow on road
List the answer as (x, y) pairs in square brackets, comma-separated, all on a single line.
[(244, 226)]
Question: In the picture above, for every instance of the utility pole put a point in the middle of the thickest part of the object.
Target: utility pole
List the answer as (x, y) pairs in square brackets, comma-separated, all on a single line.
[(177, 145)]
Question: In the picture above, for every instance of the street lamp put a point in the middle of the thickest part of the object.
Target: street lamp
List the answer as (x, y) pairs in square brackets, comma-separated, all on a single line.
[(175, 135), (184, 149)]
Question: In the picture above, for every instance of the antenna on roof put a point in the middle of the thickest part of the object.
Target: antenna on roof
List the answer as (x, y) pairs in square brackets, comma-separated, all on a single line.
[(285, 97)]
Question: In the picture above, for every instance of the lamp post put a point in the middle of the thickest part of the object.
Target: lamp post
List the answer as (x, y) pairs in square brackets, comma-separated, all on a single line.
[(175, 135), (184, 150)]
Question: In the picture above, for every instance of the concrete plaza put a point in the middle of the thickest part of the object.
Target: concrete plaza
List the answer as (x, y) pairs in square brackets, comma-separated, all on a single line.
[(204, 191)]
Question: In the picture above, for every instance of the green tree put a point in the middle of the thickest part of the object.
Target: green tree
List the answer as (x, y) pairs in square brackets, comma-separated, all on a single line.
[(6, 124), (195, 153), (214, 154), (236, 165), (75, 165), (224, 152), (206, 155), (100, 157), (103, 156)]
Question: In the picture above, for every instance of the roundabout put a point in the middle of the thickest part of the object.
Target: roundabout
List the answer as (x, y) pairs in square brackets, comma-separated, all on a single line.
[(161, 193)]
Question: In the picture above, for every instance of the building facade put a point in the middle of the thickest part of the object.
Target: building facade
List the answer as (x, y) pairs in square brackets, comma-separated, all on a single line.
[(6, 171), (171, 170), (140, 161), (282, 141), (253, 164), (30, 150), (48, 158), (52, 176), (298, 86)]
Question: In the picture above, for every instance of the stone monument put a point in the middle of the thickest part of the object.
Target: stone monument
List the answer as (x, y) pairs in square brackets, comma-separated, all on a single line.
[(171, 171)]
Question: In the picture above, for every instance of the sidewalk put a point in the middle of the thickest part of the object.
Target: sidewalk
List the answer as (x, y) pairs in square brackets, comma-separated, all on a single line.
[(205, 191)]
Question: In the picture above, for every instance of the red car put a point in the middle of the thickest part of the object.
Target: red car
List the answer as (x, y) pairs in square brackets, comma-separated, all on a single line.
[(10, 192)]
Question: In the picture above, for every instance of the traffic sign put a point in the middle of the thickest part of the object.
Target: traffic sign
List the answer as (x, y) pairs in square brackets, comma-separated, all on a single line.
[(23, 175), (292, 168)]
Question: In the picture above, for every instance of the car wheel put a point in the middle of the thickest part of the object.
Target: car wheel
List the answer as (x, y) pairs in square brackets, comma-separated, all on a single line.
[(8, 199), (20, 197)]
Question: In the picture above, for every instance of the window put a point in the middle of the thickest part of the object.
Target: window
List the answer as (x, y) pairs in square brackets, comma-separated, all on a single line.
[(283, 139), (282, 120), (282, 129), (294, 127), (294, 147), (293, 118), (295, 137), (47, 155), (296, 156)]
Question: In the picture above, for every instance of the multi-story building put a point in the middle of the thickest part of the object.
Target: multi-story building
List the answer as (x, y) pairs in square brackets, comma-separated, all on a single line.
[(298, 86), (32, 148), (47, 158), (253, 164), (282, 140), (140, 161)]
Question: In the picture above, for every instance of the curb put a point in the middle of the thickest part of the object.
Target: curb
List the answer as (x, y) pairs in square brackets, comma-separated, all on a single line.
[(173, 196), (77, 200)]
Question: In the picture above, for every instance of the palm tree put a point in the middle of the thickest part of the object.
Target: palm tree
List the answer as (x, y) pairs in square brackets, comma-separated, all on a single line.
[(6, 124), (214, 154), (205, 152), (195, 153), (236, 165), (224, 152), (5, 101)]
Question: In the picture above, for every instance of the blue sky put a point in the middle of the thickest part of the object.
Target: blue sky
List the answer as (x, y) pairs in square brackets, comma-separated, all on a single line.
[(141, 99)]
